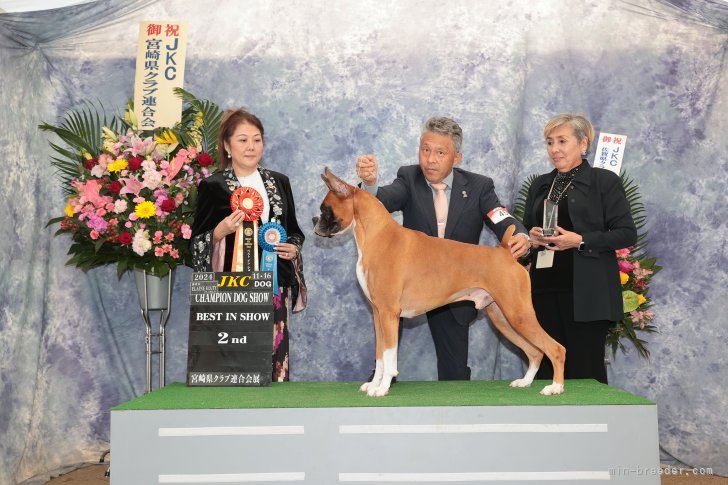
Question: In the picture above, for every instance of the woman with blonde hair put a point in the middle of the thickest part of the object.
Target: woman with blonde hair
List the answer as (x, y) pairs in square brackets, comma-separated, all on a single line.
[(577, 217)]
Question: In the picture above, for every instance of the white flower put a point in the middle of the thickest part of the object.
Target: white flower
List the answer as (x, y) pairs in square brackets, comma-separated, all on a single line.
[(141, 243), (152, 179), (98, 171), (120, 206)]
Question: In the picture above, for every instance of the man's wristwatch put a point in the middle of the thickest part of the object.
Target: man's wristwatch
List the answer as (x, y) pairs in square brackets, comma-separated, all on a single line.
[(582, 246)]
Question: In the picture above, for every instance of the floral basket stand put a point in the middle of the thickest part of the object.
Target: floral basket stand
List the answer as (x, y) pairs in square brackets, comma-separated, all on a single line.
[(155, 294)]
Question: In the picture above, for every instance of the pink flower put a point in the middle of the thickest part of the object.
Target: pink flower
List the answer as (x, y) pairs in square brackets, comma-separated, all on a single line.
[(625, 266), (158, 252), (133, 217), (94, 234), (174, 253), (167, 248), (131, 186), (169, 236), (127, 224), (157, 237), (186, 231), (622, 253), (101, 212), (641, 273)]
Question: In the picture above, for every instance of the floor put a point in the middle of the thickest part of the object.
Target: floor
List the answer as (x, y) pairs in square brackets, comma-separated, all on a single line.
[(94, 475)]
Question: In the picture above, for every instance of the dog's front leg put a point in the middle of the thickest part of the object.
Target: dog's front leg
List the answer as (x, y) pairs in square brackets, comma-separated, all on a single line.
[(368, 387), (389, 325)]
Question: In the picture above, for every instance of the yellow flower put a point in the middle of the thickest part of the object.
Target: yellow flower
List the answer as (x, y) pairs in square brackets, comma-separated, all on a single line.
[(167, 138), (145, 209), (86, 155), (117, 165), (199, 119), (130, 117), (640, 299), (623, 277), (68, 210)]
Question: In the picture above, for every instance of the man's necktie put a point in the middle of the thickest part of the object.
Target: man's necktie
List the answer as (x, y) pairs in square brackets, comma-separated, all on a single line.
[(440, 207)]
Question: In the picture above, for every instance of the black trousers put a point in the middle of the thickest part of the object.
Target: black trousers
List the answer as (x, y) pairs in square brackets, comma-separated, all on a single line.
[(584, 341), (451, 345)]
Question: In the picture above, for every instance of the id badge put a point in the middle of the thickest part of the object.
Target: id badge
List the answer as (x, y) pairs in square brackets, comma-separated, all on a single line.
[(544, 259)]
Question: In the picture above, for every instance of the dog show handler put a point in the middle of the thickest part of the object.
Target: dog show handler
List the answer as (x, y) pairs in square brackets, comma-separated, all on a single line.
[(441, 200)]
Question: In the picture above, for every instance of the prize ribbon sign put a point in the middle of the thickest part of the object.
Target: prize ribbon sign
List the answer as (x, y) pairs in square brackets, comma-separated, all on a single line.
[(231, 330)]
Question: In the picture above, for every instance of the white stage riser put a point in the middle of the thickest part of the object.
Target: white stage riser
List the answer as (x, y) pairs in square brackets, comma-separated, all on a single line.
[(493, 444)]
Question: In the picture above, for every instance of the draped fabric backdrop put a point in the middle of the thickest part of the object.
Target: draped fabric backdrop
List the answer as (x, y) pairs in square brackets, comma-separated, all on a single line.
[(332, 80)]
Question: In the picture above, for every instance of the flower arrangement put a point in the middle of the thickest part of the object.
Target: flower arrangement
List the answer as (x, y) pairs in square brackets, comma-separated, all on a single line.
[(635, 272), (131, 194)]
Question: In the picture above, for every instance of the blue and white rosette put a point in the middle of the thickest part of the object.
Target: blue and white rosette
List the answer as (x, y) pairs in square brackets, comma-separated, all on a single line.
[(270, 234)]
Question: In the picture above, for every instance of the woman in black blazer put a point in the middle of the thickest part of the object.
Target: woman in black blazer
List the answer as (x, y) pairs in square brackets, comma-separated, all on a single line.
[(575, 283), (240, 147)]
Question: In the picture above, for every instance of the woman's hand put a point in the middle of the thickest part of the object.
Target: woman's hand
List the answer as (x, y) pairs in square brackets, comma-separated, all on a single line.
[(562, 239), (228, 225), (286, 251), (536, 234)]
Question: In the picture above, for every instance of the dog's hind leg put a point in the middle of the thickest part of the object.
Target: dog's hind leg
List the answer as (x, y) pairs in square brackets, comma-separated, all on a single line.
[(525, 323), (368, 387), (533, 354), (389, 328)]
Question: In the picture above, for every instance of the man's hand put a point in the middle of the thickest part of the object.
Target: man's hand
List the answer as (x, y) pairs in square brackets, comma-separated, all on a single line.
[(366, 169), (519, 245)]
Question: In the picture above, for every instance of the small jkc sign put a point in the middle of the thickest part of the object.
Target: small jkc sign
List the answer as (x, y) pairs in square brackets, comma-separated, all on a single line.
[(610, 151)]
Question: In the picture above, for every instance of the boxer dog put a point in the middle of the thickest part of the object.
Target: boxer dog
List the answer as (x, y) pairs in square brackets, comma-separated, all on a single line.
[(405, 273)]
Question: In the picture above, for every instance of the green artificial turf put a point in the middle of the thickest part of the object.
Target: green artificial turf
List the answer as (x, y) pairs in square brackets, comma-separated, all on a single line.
[(404, 393)]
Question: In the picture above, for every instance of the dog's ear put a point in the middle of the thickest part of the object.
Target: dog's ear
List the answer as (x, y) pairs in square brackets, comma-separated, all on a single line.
[(335, 184)]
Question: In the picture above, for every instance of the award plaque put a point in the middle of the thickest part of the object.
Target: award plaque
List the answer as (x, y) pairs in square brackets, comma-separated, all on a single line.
[(550, 217), (231, 329), (245, 255)]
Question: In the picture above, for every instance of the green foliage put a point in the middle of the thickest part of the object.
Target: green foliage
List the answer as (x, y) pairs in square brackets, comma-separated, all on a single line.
[(211, 116), (81, 131)]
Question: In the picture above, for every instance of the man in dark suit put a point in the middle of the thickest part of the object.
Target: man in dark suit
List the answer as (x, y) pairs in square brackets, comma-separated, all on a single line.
[(469, 200)]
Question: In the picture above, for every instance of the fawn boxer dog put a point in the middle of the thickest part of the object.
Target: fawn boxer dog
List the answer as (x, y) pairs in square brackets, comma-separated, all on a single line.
[(405, 273)]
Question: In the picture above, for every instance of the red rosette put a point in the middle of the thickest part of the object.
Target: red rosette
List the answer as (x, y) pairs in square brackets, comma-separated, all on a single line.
[(248, 200)]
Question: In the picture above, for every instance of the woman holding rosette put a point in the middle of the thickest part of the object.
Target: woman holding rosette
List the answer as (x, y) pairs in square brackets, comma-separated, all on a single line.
[(240, 148), (577, 217)]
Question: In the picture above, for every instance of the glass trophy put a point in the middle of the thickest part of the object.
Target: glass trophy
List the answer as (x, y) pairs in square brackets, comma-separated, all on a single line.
[(550, 217)]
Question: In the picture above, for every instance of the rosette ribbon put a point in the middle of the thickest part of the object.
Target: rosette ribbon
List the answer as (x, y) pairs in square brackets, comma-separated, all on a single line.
[(245, 255), (270, 234)]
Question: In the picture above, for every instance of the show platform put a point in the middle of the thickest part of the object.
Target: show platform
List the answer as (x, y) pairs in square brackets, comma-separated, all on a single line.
[(423, 432)]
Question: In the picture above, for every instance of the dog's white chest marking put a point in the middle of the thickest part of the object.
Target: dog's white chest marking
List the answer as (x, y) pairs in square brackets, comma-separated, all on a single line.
[(361, 273)]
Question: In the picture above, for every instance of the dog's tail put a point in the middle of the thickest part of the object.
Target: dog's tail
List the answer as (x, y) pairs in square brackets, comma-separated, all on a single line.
[(507, 236)]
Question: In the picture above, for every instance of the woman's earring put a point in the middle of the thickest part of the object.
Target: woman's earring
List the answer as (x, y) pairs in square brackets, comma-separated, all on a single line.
[(583, 153), (229, 156)]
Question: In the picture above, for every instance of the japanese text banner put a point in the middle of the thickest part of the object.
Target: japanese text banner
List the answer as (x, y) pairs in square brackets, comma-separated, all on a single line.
[(160, 67)]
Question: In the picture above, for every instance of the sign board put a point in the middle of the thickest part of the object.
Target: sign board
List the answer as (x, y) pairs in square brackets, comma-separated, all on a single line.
[(231, 329), (160, 67), (610, 151)]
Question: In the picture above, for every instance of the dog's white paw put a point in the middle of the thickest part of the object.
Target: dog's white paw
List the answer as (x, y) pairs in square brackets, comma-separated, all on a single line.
[(378, 391), (553, 389), (522, 382), (364, 387)]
